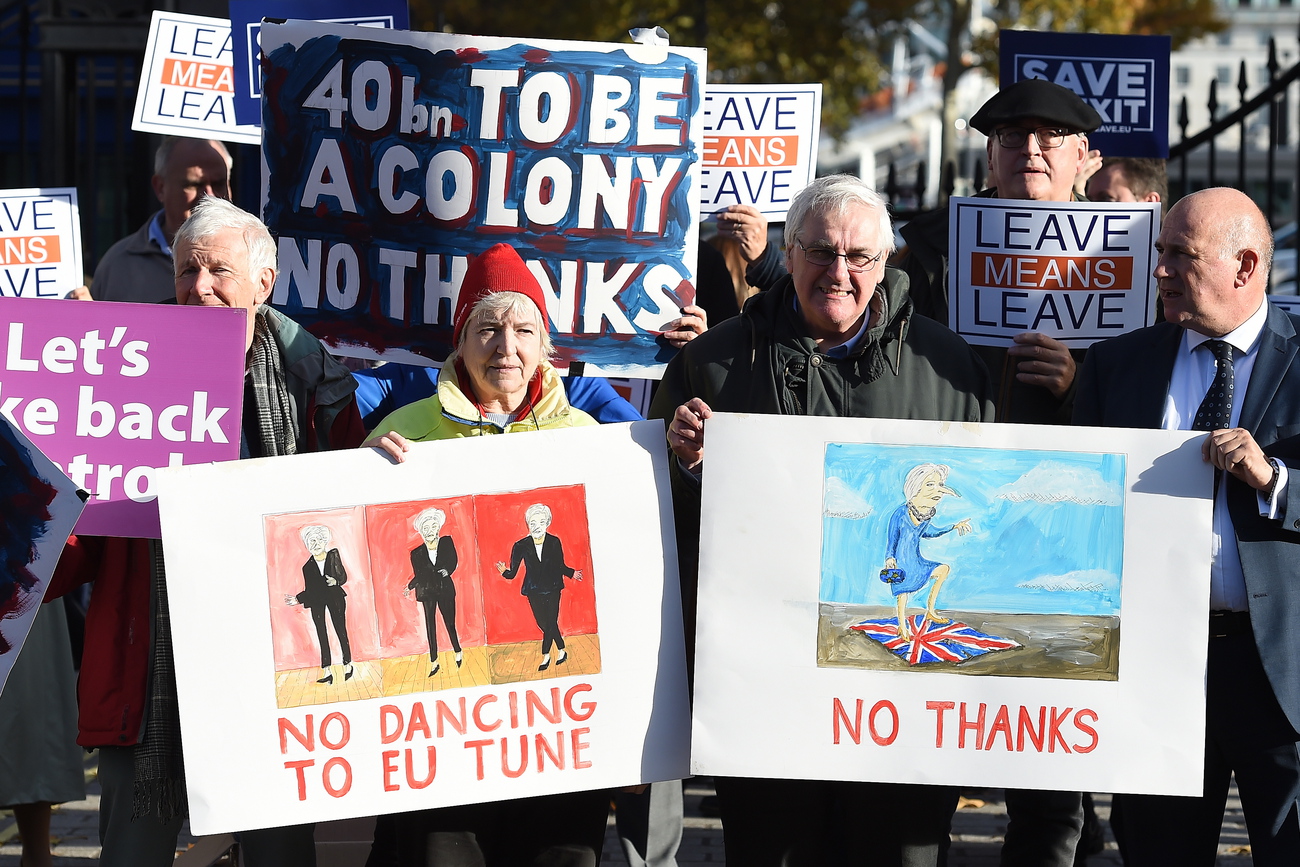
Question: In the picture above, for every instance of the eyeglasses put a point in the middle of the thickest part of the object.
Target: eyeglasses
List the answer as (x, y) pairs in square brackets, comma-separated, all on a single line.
[(824, 257), (1048, 136)]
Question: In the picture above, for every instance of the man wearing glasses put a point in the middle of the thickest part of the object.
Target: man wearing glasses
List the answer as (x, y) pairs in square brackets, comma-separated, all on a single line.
[(1038, 142), (835, 337)]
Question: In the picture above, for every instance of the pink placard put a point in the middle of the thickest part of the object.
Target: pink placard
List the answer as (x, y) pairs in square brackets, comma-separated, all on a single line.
[(111, 391)]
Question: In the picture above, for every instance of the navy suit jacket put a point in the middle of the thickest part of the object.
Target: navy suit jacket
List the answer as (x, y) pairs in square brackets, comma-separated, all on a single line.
[(432, 579), (317, 591), (1124, 383), (540, 576)]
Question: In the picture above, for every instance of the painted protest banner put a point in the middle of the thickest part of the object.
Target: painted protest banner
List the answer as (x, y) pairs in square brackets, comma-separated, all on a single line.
[(38, 507), (1125, 78), (407, 718), (1014, 581), (40, 243), (187, 83), (1076, 271), (760, 145), (246, 23), (111, 392), (394, 157)]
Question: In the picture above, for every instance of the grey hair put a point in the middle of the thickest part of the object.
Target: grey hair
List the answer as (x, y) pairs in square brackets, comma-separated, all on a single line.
[(212, 216), (495, 306), (312, 530), (916, 476), (835, 194), (538, 509), (164, 152), (427, 515)]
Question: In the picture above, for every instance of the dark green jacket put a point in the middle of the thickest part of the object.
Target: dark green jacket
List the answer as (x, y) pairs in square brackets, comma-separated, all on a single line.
[(763, 361), (926, 264)]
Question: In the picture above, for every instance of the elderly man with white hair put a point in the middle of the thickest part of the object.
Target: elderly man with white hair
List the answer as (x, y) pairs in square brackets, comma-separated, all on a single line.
[(296, 399), (837, 337)]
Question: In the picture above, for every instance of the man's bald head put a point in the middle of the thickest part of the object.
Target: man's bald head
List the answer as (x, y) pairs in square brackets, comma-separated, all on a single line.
[(1215, 248)]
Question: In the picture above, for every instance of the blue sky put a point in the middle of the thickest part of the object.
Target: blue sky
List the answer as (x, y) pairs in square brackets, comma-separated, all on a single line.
[(1048, 527)]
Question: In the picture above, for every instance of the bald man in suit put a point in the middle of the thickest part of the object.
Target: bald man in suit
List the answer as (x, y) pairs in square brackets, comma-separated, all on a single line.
[(1215, 249)]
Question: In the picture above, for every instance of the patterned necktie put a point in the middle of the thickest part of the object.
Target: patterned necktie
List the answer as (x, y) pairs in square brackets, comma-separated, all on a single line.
[(1215, 411)]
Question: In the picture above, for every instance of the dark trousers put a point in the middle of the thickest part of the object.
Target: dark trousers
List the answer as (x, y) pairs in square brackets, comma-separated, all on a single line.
[(550, 831), (1042, 828), (546, 611), (810, 823), (337, 608), (447, 602), (1246, 732)]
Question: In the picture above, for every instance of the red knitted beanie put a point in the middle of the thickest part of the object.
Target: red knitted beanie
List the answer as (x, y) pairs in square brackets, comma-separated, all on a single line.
[(497, 269)]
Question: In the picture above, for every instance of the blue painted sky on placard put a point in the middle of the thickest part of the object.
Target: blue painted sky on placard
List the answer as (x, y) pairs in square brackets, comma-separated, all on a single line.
[(1047, 527)]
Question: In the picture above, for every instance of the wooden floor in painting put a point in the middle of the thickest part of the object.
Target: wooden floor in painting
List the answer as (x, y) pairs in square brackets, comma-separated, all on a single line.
[(405, 675), (298, 687), (512, 663)]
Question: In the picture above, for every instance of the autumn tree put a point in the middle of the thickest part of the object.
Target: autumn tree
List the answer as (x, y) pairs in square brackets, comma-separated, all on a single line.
[(749, 41)]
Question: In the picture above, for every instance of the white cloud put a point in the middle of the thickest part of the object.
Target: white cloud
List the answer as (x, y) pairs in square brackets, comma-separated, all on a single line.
[(1053, 482), (1078, 581), (843, 502)]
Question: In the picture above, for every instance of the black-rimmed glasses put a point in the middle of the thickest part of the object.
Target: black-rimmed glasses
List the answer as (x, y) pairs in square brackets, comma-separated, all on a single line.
[(824, 257), (1049, 137)]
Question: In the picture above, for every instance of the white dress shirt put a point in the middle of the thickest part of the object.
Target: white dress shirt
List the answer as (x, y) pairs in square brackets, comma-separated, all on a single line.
[(1192, 376)]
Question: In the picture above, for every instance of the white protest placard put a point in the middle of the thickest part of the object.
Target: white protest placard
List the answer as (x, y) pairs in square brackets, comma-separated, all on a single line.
[(760, 145), (40, 243), (187, 83), (38, 507), (1076, 271), (1055, 627), (380, 716)]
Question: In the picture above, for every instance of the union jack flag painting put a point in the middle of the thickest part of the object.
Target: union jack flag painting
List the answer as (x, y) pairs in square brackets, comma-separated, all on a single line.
[(933, 642)]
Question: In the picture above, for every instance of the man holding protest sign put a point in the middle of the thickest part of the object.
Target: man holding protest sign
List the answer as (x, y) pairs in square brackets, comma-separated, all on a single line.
[(835, 338), (1227, 362), (1037, 143), (297, 399), (139, 267)]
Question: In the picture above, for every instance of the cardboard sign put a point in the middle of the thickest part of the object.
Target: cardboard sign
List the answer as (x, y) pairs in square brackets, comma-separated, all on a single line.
[(1125, 78), (40, 243), (246, 22), (111, 392), (760, 145), (1076, 271), (434, 681), (187, 84), (1054, 634), (38, 506), (395, 157)]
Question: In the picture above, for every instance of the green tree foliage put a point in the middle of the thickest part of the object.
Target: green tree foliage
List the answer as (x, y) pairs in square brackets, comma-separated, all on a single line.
[(749, 41)]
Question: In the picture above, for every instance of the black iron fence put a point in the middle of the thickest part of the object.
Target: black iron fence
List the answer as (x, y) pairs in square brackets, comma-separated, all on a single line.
[(1194, 162)]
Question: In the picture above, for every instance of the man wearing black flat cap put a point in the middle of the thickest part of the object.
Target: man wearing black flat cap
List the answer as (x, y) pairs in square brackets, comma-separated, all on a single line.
[(1037, 142)]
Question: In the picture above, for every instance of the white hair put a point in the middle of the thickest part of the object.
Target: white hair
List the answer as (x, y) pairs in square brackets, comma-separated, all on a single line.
[(313, 531), (438, 516), (835, 194), (538, 509), (211, 216), (496, 306), (917, 475)]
